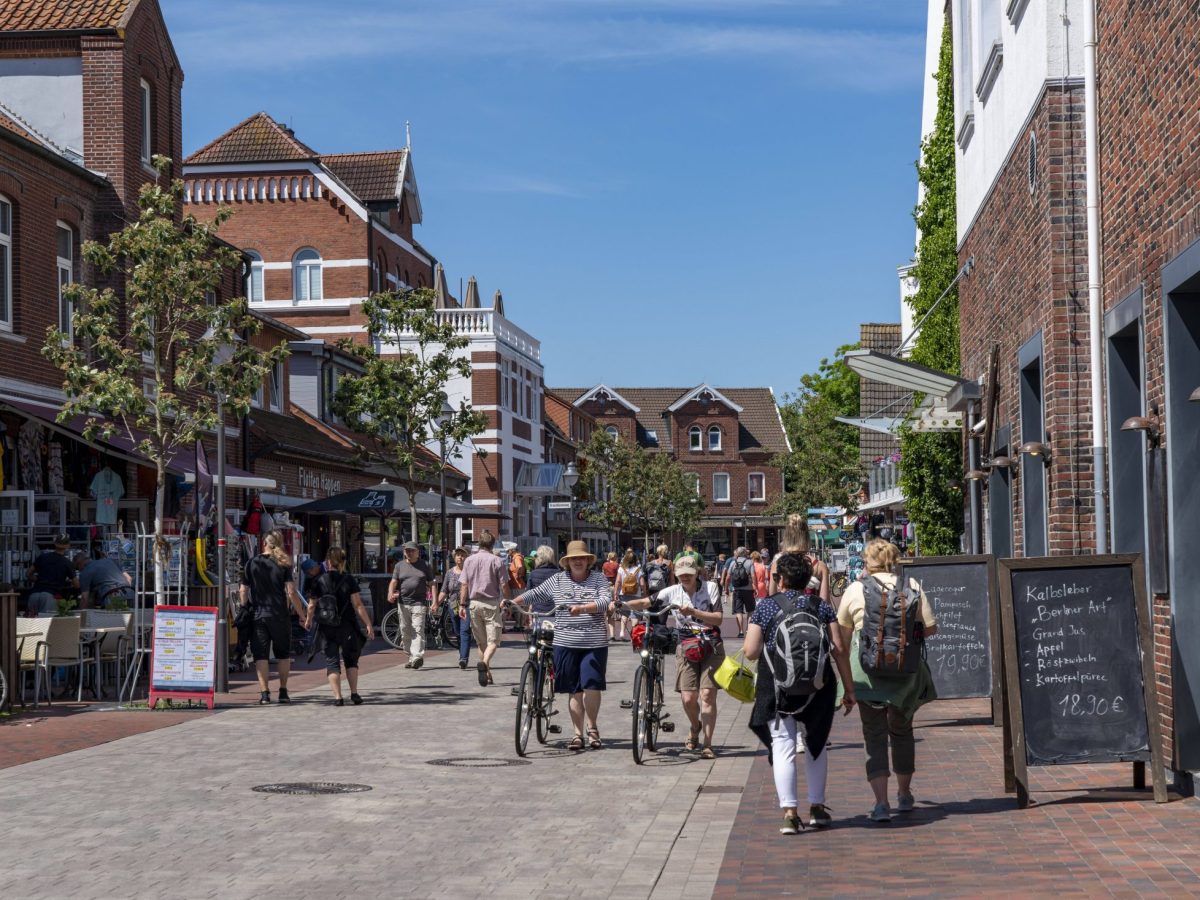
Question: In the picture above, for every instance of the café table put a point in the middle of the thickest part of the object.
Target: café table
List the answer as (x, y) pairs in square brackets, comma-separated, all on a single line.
[(92, 638)]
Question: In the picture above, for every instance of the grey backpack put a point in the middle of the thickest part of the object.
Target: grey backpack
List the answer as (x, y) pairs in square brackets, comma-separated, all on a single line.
[(799, 661), (890, 642)]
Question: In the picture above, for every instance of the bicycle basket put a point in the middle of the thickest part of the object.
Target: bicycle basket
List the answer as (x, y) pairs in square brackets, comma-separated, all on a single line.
[(638, 636)]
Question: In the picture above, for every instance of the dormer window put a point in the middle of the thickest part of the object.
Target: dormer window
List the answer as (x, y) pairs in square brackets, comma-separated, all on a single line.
[(705, 396), (714, 439), (695, 439), (602, 397)]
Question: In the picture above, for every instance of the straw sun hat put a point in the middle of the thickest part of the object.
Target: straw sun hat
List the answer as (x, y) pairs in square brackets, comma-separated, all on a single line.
[(576, 549)]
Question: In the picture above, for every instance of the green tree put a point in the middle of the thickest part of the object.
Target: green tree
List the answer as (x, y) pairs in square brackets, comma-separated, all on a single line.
[(399, 398), (822, 468), (162, 327), (932, 462)]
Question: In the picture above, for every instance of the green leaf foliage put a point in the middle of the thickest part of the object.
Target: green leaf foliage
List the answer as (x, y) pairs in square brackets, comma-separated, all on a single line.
[(150, 352), (411, 355), (822, 468), (932, 462)]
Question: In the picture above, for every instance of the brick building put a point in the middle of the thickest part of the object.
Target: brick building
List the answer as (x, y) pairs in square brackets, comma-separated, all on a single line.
[(727, 437)]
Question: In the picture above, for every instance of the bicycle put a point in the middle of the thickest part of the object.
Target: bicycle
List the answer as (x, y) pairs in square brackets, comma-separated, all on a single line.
[(535, 691), (653, 642), (441, 631)]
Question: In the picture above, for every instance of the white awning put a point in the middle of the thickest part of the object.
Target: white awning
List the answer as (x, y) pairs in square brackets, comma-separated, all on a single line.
[(237, 481), (881, 425), (890, 500), (881, 367)]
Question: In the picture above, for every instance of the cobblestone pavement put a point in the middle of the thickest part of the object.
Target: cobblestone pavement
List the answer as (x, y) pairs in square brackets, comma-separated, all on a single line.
[(170, 812), (1090, 834)]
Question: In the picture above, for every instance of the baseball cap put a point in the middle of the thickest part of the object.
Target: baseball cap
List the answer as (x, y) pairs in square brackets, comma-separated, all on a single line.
[(685, 565), (411, 545), (309, 565)]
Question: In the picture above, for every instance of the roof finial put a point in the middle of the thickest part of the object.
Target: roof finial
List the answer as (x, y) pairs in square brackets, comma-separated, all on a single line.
[(408, 135)]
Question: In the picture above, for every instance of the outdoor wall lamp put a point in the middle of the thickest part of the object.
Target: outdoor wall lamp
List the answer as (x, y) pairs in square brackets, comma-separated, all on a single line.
[(1001, 462), (1038, 449), (976, 475), (1144, 425)]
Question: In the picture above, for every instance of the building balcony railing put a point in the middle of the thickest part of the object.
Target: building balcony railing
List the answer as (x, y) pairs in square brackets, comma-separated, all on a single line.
[(883, 483), (486, 322)]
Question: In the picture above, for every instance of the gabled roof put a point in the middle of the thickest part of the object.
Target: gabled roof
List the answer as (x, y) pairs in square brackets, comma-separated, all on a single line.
[(759, 424), (258, 139), (64, 15), (11, 121), (602, 390), (372, 177), (706, 393)]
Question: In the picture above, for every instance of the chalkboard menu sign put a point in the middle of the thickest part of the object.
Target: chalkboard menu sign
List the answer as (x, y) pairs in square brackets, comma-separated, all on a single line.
[(962, 592), (1077, 663)]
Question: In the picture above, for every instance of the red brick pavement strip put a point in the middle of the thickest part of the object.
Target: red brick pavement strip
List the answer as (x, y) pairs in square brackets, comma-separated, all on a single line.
[(63, 727), (1089, 834)]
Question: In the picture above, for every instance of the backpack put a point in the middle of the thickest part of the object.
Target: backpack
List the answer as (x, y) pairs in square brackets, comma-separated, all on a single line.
[(799, 661), (739, 574), (329, 609), (629, 584), (656, 577), (888, 643)]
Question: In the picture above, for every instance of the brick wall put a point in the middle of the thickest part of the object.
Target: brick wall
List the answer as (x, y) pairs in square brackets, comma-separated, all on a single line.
[(1030, 274), (874, 397)]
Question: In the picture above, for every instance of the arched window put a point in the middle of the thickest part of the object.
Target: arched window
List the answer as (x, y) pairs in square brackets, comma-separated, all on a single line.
[(380, 272), (254, 280), (306, 268), (6, 263), (612, 432), (66, 275), (694, 439), (714, 437)]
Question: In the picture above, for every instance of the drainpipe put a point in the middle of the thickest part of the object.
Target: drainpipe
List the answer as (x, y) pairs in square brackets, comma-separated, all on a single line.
[(1095, 303)]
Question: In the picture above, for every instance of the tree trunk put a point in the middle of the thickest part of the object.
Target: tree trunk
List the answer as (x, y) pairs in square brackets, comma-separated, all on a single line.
[(412, 503), (158, 546)]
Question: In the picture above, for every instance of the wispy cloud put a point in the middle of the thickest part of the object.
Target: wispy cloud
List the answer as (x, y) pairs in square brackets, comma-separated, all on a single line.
[(560, 33)]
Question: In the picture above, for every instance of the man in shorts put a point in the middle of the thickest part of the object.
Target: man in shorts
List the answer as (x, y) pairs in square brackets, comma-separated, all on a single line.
[(484, 584), (739, 582)]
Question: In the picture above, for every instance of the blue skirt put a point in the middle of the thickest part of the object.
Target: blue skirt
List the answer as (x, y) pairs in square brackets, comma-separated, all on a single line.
[(579, 669)]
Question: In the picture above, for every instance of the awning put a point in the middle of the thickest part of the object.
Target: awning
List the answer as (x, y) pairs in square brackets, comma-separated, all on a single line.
[(539, 480), (882, 504), (876, 366), (881, 425), (118, 444)]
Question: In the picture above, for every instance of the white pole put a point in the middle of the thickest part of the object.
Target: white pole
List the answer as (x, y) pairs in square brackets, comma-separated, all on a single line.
[(1095, 303)]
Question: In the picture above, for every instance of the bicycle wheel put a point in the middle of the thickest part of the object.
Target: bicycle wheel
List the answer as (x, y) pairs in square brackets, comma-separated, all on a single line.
[(641, 714), (3, 689), (526, 707), (545, 700), (390, 628), (656, 705), (449, 626)]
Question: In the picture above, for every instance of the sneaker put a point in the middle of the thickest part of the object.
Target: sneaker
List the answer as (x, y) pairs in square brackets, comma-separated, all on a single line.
[(905, 803), (264, 698), (418, 662), (881, 813), (409, 664), (462, 663), (481, 670), (283, 696), (338, 701), (818, 816), (791, 824), (356, 699)]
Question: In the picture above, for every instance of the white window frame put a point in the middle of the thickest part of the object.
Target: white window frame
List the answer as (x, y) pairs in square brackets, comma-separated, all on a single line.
[(714, 429), (276, 376), (307, 272), (6, 241), (256, 271), (696, 479), (65, 268), (147, 98), (715, 497), (256, 399), (750, 487), (695, 439), (612, 431)]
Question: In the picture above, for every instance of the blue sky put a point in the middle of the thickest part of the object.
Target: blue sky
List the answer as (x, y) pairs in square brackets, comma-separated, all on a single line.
[(666, 191)]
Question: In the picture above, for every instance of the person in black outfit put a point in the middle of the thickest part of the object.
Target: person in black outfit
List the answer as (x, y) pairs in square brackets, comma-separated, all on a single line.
[(52, 573), (344, 641), (267, 586)]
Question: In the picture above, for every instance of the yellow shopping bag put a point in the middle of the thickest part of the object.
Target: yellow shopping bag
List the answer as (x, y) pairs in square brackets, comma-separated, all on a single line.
[(735, 678)]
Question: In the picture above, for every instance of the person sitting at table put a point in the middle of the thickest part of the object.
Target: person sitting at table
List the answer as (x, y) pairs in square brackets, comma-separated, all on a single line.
[(51, 574), (101, 581)]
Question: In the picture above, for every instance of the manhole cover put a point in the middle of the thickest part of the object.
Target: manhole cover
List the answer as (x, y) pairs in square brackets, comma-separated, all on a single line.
[(311, 787), (719, 789), (477, 762)]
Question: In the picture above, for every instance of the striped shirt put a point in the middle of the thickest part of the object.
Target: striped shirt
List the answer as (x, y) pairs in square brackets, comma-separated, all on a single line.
[(586, 630)]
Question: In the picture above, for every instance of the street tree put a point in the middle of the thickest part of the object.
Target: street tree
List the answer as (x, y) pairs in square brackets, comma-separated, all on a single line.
[(822, 468), (931, 462), (148, 354), (398, 400)]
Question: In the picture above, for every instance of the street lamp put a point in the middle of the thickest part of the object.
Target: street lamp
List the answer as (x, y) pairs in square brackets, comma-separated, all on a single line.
[(569, 479), (222, 356), (746, 525)]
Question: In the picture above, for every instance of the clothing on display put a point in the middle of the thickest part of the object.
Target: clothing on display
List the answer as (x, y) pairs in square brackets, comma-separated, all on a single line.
[(29, 451), (54, 469), (107, 488)]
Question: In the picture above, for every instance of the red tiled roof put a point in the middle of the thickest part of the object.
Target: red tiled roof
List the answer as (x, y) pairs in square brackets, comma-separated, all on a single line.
[(63, 15), (759, 421), (369, 176), (256, 139)]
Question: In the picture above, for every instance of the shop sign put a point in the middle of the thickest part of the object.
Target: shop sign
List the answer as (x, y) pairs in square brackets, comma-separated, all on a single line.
[(315, 485)]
